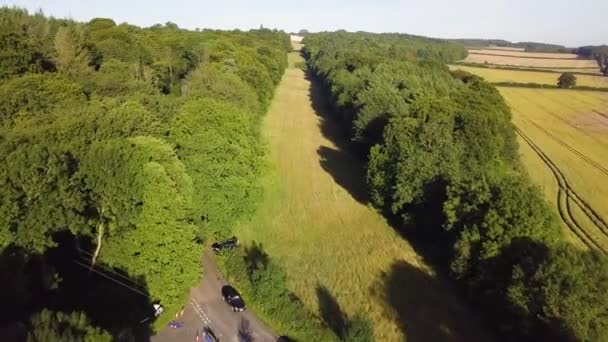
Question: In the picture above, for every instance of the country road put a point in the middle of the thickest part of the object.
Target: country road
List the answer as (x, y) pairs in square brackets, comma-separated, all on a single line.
[(205, 307)]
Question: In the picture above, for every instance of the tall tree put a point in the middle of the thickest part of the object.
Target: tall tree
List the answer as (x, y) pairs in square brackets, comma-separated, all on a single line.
[(71, 56)]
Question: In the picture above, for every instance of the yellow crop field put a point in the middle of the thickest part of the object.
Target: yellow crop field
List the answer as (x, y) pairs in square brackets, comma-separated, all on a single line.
[(501, 75), (563, 136), (520, 53), (531, 62)]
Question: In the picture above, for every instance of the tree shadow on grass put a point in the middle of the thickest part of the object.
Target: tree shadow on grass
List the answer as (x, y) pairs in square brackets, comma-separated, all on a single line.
[(423, 307), (345, 170), (342, 163), (256, 258), (331, 313), (356, 329)]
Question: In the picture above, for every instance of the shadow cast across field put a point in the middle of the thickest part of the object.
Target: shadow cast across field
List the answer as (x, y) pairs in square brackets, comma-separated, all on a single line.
[(421, 306), (344, 166), (330, 311), (356, 328)]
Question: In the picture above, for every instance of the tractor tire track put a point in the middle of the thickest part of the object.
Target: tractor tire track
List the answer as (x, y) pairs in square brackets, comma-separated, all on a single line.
[(564, 195), (591, 213), (566, 121), (571, 149), (600, 113)]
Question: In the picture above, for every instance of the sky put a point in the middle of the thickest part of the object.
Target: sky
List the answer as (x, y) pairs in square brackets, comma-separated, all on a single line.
[(565, 22)]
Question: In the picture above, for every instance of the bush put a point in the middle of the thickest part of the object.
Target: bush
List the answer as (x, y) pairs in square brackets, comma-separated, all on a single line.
[(566, 80), (264, 286)]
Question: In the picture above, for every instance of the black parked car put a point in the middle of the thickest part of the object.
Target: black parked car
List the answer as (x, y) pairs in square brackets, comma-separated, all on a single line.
[(231, 243), (233, 298)]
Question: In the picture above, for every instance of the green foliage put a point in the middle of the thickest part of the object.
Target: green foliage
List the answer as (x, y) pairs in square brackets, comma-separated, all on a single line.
[(263, 284), (567, 290), (159, 245), (71, 56), (566, 80), (37, 95), (219, 145), (49, 326), (209, 81), (486, 217), (131, 144), (443, 157), (359, 329)]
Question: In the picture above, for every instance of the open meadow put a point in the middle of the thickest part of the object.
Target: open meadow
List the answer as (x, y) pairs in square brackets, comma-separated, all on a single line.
[(514, 76), (563, 136), (339, 253)]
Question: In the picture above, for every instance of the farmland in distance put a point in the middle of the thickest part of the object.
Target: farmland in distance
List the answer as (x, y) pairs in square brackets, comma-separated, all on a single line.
[(502, 75), (563, 136)]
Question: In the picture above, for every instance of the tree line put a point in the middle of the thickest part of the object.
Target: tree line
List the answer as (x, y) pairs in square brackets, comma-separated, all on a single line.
[(443, 162), (527, 46), (599, 53), (121, 148)]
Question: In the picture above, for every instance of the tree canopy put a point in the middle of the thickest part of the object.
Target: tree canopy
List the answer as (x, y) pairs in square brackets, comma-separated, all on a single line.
[(122, 148), (442, 160)]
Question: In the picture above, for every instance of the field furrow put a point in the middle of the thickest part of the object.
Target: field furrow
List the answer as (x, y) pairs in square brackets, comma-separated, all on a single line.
[(566, 195)]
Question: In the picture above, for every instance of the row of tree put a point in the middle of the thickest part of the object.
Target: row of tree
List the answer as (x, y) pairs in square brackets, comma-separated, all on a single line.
[(527, 46), (121, 149), (442, 159), (599, 53)]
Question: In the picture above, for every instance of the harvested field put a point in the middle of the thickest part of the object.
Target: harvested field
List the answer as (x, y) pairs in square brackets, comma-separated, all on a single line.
[(532, 62), (548, 55), (501, 75), (564, 139)]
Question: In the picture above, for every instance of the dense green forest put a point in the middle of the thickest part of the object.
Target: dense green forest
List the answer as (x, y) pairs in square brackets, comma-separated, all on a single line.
[(442, 162), (121, 149)]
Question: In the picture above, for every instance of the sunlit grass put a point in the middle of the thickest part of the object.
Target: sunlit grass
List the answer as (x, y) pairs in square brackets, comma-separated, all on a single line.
[(323, 237)]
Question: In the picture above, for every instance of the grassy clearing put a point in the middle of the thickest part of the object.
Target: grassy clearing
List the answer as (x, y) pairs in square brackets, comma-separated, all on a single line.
[(531, 62), (315, 224), (500, 75), (571, 129)]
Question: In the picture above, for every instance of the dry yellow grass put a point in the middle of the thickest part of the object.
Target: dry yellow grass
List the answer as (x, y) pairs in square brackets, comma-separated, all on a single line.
[(501, 75), (315, 223), (524, 54), (297, 46), (571, 129), (532, 62)]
